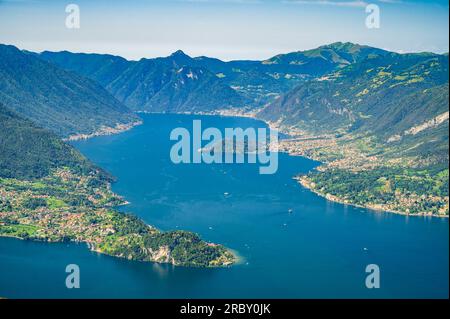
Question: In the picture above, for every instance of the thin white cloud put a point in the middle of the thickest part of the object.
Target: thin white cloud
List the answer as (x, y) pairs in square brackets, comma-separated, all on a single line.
[(225, 1), (337, 3), (391, 1)]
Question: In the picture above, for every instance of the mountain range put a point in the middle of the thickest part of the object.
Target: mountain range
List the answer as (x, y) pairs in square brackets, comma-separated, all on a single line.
[(360, 110), (334, 89), (204, 83)]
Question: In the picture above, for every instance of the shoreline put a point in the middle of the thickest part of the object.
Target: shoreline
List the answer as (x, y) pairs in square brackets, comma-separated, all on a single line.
[(91, 246), (120, 128), (306, 184), (275, 126), (104, 131)]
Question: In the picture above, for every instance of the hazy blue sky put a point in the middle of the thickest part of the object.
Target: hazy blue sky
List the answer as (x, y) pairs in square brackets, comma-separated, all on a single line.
[(227, 29)]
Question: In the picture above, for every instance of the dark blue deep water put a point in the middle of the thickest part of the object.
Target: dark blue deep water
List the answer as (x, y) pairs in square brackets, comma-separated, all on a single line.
[(318, 251)]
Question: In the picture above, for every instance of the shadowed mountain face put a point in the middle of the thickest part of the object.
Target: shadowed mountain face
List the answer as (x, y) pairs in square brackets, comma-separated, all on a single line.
[(172, 84), (254, 83), (61, 101)]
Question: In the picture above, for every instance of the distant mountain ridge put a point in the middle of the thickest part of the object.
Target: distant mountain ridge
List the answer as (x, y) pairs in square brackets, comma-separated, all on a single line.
[(254, 82), (170, 85)]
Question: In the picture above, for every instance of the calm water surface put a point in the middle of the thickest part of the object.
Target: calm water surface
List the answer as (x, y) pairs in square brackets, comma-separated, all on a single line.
[(318, 251)]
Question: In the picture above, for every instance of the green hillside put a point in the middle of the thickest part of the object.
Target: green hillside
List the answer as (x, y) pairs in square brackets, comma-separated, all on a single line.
[(30, 152), (169, 85), (60, 101)]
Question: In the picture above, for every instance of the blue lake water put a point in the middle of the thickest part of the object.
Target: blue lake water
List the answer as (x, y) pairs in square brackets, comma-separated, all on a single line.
[(315, 252)]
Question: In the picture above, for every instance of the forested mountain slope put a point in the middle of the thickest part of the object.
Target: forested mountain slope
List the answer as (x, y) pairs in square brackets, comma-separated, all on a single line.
[(60, 101), (29, 152), (50, 192)]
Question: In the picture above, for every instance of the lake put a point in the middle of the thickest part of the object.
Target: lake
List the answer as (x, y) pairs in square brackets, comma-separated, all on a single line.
[(320, 250)]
